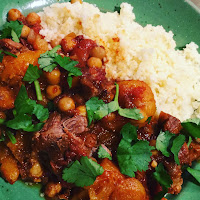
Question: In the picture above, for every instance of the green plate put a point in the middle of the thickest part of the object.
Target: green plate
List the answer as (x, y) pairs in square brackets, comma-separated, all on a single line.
[(176, 15)]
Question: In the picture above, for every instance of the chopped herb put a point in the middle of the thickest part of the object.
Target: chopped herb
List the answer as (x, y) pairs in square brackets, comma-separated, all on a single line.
[(82, 173), (163, 178), (25, 109), (149, 120), (189, 141), (2, 121), (163, 142), (176, 146), (97, 109), (195, 173), (2, 53), (32, 74), (132, 155), (102, 153), (50, 59), (192, 127), (2, 138), (12, 30), (11, 137)]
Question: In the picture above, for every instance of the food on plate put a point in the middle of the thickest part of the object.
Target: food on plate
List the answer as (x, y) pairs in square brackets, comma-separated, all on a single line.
[(95, 106)]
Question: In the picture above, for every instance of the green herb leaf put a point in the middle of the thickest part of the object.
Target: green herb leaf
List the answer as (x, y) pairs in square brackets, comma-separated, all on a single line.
[(162, 177), (47, 59), (2, 53), (25, 110), (32, 74), (102, 153), (176, 146), (192, 127), (189, 141), (195, 173), (132, 157), (82, 173), (163, 142), (97, 109), (2, 138), (11, 137), (12, 30)]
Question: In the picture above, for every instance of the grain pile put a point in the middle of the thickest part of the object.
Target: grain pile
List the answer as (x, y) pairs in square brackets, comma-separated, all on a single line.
[(134, 52)]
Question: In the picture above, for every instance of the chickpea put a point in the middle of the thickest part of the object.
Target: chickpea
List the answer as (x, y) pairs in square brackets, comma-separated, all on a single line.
[(154, 164), (25, 31), (98, 52), (72, 35), (55, 42), (52, 189), (68, 43), (82, 110), (65, 104), (36, 170), (14, 14), (53, 77), (33, 18), (94, 62), (74, 1), (53, 91), (40, 44)]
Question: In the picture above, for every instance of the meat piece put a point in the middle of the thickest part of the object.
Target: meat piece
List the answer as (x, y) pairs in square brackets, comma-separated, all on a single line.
[(175, 172), (183, 155), (7, 98), (14, 69), (194, 151), (10, 45), (57, 142), (77, 124), (94, 83), (169, 123)]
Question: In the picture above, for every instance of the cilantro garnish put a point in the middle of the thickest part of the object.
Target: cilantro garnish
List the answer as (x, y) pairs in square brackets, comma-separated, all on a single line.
[(195, 173), (12, 30), (32, 74), (82, 173), (2, 53), (132, 155), (176, 146), (25, 110), (169, 143), (97, 109), (163, 178), (50, 59), (192, 127), (102, 153), (11, 137)]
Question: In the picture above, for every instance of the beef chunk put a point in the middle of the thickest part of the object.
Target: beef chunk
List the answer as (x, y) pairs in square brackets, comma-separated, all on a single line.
[(58, 143), (169, 123), (194, 151), (183, 155), (9, 45), (175, 172)]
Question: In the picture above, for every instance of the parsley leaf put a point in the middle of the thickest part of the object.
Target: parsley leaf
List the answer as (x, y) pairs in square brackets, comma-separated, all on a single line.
[(46, 60), (12, 30), (163, 142), (162, 177), (176, 146), (11, 137), (195, 173), (102, 153), (132, 157), (2, 52), (50, 59), (32, 74), (97, 109), (82, 173), (192, 127), (25, 108)]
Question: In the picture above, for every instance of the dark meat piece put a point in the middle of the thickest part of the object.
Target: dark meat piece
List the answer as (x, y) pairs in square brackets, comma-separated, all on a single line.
[(26, 44), (175, 172), (76, 125), (9, 45), (194, 151), (169, 123), (95, 83), (57, 142), (183, 155)]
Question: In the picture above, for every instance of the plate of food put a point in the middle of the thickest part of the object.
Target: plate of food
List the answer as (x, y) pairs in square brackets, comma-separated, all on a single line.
[(99, 100)]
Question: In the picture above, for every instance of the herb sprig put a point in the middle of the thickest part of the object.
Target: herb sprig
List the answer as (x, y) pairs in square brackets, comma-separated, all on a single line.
[(2, 53), (97, 109)]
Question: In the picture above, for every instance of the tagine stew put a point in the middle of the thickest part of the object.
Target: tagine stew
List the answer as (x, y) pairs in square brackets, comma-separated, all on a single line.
[(82, 136)]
